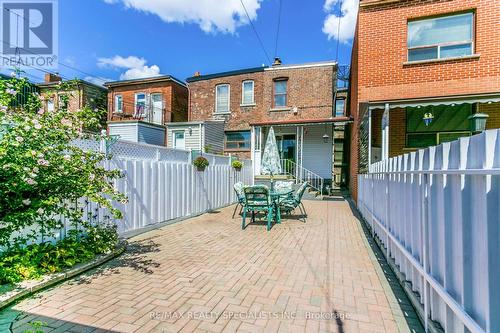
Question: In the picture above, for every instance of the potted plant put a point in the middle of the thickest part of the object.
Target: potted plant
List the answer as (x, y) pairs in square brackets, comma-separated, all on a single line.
[(200, 163), (237, 165)]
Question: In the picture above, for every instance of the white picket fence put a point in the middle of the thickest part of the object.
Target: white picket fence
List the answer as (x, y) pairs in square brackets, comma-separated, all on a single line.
[(437, 213)]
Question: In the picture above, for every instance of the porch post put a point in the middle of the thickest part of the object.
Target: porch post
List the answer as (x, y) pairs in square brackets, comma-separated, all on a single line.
[(369, 140), (385, 133)]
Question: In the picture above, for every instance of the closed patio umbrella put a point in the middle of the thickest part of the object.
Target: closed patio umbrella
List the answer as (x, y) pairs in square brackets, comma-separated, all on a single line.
[(271, 162)]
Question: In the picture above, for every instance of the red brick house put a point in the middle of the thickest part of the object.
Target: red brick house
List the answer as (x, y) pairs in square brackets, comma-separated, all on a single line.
[(421, 71), (297, 100), (139, 109)]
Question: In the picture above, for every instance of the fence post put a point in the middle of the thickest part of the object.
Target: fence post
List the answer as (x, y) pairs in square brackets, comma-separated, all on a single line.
[(424, 248)]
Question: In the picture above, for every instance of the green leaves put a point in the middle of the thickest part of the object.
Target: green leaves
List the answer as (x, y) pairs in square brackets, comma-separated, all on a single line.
[(33, 261), (40, 170)]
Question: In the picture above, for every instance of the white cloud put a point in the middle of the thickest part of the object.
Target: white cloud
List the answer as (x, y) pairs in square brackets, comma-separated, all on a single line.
[(211, 15), (347, 20), (136, 67)]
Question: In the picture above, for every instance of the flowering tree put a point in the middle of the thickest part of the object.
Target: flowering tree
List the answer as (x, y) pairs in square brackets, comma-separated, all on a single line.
[(42, 175)]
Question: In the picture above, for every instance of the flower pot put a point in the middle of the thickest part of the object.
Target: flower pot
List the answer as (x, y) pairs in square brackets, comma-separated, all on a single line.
[(237, 169), (201, 169)]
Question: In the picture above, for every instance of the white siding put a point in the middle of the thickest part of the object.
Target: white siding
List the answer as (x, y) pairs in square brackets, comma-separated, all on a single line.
[(317, 155), (214, 135), (192, 136), (152, 135), (126, 132)]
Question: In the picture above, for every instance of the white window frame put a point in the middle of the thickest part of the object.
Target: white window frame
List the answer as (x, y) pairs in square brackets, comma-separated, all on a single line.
[(143, 114), (439, 45), (50, 104), (117, 110), (228, 98), (243, 92), (343, 109)]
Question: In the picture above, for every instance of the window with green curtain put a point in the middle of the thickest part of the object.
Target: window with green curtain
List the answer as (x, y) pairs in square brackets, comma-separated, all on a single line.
[(441, 37), (448, 124), (238, 140)]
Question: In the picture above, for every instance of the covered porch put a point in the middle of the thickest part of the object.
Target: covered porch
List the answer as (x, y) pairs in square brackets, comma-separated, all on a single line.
[(308, 149), (393, 128)]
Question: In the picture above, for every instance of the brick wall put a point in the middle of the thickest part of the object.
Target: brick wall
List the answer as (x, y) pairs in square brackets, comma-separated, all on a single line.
[(493, 110), (379, 68), (174, 97), (309, 89)]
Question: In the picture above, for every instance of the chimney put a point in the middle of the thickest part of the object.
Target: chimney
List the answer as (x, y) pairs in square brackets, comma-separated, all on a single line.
[(50, 77), (277, 62), (197, 73)]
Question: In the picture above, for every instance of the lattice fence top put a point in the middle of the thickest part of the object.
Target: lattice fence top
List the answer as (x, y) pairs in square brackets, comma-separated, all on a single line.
[(87, 144)]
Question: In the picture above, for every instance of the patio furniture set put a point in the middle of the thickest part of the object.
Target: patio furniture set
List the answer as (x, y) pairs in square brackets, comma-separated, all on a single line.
[(272, 202)]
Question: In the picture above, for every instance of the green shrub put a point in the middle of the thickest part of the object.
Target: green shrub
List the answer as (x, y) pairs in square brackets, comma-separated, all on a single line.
[(32, 261), (237, 164), (200, 162)]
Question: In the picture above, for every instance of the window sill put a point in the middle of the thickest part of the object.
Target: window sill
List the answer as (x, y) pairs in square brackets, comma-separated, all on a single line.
[(221, 113), (280, 109), (247, 105), (430, 61)]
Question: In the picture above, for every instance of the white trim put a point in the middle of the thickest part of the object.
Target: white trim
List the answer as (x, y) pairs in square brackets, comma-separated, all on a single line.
[(228, 98), (116, 104), (243, 93), (330, 63)]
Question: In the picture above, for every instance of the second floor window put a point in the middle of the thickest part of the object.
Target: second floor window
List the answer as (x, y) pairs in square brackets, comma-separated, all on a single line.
[(140, 104), (280, 93), (441, 37), (118, 104), (247, 92), (339, 107), (50, 104), (222, 98)]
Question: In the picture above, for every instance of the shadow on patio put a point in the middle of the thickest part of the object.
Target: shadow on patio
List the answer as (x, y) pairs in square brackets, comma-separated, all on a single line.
[(206, 274)]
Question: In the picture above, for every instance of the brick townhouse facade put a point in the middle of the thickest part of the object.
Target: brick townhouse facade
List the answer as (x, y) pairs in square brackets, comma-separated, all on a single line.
[(297, 100), (139, 109), (79, 94), (416, 59), (159, 100)]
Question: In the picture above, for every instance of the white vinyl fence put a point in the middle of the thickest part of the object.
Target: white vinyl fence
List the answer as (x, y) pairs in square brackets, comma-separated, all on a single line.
[(162, 184), (437, 213)]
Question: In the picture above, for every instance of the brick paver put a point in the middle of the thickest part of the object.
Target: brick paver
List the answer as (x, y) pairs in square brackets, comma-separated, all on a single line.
[(207, 275)]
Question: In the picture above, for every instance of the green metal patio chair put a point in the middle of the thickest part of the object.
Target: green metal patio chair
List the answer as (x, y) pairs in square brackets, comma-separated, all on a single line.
[(257, 200), (289, 204), (238, 189)]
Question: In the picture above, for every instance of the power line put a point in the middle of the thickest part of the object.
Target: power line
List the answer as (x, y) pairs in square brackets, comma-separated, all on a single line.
[(278, 30), (256, 33), (62, 64)]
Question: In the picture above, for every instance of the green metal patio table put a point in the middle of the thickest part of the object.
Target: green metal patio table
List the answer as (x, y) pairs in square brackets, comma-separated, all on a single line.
[(275, 197)]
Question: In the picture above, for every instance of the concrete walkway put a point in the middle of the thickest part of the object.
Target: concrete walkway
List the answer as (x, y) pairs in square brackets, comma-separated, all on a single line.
[(207, 275)]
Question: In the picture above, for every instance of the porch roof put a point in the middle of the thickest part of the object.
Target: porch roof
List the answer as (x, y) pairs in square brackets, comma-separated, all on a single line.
[(303, 121), (443, 100)]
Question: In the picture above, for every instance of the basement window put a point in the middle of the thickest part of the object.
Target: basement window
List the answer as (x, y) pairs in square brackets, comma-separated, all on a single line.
[(441, 37)]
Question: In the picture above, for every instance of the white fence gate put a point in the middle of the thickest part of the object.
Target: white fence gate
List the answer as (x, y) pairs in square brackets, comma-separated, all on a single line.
[(162, 184), (437, 213)]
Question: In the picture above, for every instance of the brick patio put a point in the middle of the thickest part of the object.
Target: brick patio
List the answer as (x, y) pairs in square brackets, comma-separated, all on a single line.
[(207, 275)]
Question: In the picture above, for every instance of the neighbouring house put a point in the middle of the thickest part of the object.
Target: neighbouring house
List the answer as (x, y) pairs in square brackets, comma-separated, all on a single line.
[(139, 109), (422, 73), (297, 100), (202, 136), (79, 94), (21, 98)]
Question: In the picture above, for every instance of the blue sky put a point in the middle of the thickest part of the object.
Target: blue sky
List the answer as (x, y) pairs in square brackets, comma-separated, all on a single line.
[(115, 39)]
